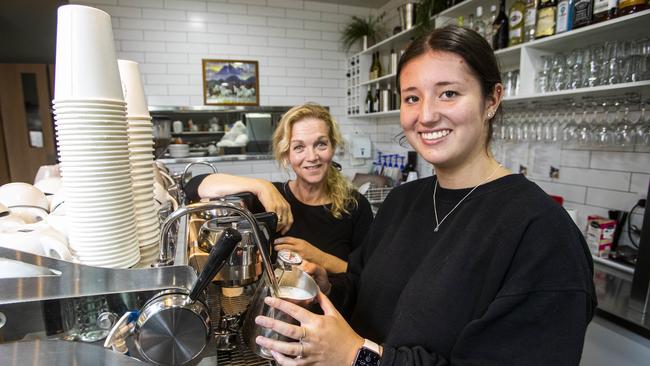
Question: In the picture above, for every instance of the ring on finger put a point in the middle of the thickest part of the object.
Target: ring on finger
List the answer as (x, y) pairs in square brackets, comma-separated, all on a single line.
[(302, 349), (304, 334)]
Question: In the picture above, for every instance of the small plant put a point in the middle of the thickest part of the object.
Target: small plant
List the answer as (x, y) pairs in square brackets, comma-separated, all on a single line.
[(425, 10), (371, 27)]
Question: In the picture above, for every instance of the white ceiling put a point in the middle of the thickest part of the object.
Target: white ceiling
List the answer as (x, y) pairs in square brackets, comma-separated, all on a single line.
[(375, 4)]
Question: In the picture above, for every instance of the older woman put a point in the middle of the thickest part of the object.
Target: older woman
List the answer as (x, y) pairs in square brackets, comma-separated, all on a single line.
[(474, 266), (320, 214)]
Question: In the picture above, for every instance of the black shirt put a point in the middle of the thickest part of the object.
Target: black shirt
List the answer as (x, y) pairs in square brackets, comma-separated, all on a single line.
[(507, 280), (318, 226)]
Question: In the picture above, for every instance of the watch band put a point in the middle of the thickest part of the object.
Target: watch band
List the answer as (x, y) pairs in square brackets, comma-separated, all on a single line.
[(368, 354)]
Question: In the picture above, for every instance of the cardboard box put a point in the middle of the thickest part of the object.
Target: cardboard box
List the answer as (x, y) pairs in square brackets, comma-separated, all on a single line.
[(600, 235)]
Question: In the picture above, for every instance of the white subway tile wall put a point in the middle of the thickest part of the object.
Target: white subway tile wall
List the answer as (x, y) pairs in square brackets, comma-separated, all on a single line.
[(294, 41)]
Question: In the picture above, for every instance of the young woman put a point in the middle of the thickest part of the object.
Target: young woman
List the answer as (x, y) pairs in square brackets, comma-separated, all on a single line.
[(320, 214), (474, 266)]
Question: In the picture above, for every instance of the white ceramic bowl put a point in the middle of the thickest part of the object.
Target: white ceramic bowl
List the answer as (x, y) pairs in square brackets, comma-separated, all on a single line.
[(22, 194), (49, 185)]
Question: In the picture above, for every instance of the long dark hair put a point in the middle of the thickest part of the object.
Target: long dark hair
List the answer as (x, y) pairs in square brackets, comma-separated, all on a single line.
[(469, 45)]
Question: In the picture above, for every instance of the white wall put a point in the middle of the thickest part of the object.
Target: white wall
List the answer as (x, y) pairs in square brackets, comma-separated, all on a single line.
[(294, 41)]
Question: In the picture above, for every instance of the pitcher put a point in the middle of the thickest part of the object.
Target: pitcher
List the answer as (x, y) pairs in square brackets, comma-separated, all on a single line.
[(295, 286)]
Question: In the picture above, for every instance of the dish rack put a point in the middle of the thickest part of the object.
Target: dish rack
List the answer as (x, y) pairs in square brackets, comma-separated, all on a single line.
[(376, 197)]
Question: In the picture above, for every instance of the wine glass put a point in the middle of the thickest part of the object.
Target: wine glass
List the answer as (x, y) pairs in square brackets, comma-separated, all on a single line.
[(570, 129)]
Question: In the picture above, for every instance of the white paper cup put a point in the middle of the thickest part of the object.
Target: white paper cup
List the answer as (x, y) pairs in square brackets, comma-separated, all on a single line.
[(92, 102), (86, 65), (136, 103)]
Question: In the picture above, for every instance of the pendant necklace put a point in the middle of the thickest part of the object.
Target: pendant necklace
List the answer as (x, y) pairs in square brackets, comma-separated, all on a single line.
[(435, 188)]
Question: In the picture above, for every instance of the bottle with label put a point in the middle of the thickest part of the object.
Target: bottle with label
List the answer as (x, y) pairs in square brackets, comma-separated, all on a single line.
[(369, 102), (530, 17), (479, 23), (380, 71), (489, 25), (583, 11), (371, 73), (605, 10), (564, 18), (545, 18), (631, 6), (376, 101), (393, 62), (500, 25), (516, 21)]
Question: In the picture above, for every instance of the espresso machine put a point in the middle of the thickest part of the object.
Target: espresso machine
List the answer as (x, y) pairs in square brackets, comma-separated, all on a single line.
[(91, 305)]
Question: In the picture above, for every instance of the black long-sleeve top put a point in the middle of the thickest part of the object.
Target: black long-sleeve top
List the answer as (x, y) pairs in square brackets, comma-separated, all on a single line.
[(507, 280)]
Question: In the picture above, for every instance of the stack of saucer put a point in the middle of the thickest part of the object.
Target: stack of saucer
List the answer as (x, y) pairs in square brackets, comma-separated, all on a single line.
[(140, 135), (179, 150), (91, 129)]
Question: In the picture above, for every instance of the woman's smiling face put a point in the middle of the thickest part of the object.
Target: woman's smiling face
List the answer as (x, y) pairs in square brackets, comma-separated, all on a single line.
[(443, 112), (310, 150)]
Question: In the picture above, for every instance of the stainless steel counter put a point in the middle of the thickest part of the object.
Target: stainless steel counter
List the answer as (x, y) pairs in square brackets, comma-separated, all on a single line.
[(216, 158)]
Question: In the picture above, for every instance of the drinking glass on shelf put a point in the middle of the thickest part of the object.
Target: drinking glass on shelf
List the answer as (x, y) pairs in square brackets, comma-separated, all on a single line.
[(574, 62), (558, 76), (593, 57), (613, 53), (544, 75)]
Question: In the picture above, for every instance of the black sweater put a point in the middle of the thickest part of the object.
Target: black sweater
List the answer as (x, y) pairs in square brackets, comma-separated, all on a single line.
[(316, 224), (507, 280)]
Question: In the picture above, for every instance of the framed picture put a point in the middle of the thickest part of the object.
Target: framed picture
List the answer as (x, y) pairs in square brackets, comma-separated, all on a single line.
[(230, 82)]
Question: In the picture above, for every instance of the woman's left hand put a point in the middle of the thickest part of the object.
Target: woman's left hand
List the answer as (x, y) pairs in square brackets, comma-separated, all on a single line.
[(322, 339), (302, 247)]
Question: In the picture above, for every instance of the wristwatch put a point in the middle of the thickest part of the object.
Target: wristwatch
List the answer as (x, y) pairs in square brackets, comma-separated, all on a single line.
[(368, 354)]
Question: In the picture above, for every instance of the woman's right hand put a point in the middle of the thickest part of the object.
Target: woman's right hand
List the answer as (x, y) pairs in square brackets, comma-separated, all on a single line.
[(319, 274), (273, 201)]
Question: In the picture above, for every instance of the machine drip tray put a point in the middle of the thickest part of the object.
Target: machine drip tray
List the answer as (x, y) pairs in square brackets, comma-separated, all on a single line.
[(233, 306)]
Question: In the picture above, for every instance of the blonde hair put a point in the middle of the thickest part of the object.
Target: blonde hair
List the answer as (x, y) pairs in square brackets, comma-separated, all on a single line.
[(338, 188)]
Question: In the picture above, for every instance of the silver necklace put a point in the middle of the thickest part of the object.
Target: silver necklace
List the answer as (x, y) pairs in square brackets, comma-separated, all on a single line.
[(435, 188)]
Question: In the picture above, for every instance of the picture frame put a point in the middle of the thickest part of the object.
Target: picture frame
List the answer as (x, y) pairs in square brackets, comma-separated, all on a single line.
[(231, 82)]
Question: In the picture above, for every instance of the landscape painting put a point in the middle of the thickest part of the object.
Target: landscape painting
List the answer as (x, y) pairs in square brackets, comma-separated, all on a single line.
[(230, 82)]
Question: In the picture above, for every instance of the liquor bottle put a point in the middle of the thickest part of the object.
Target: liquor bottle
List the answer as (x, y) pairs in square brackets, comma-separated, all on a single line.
[(379, 69), (582, 13), (530, 17), (479, 22), (369, 102), (376, 101), (500, 36), (516, 20), (545, 18), (470, 21), (489, 25), (371, 74), (631, 6), (393, 62), (564, 19), (605, 10)]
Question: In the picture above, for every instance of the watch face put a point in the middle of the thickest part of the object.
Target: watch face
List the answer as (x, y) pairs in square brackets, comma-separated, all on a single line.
[(366, 357)]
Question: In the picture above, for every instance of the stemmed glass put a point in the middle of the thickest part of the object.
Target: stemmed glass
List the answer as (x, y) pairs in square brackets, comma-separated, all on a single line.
[(570, 129), (625, 129), (583, 131), (600, 132), (643, 129)]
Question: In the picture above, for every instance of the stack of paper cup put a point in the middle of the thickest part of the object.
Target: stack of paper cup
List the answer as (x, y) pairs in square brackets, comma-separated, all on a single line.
[(140, 133), (91, 129)]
